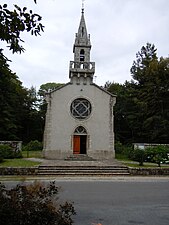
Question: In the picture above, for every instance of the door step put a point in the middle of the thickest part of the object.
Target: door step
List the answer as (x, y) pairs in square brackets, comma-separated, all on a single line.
[(79, 157)]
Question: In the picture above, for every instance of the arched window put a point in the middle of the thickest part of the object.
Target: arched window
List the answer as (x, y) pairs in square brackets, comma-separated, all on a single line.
[(80, 130), (82, 55)]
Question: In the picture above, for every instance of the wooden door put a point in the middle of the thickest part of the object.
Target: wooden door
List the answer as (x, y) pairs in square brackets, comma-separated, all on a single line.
[(76, 144)]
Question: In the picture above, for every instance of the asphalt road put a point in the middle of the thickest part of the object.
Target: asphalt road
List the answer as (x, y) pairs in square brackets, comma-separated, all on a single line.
[(130, 201), (119, 202)]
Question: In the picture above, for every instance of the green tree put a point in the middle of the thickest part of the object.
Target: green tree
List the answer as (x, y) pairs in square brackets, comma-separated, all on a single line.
[(14, 22), (12, 96), (122, 110), (20, 117), (139, 155), (140, 69), (18, 111), (158, 154), (151, 93), (48, 87), (34, 204), (32, 120), (142, 106), (43, 90)]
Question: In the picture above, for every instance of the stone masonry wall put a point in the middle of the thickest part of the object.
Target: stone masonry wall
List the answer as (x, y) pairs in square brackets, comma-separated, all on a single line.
[(18, 171), (148, 171), (34, 171)]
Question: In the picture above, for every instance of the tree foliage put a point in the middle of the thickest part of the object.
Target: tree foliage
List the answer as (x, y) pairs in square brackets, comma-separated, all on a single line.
[(43, 90), (34, 204), (12, 96), (20, 118), (33, 146), (158, 154), (48, 87), (139, 155), (7, 152), (14, 22), (142, 108)]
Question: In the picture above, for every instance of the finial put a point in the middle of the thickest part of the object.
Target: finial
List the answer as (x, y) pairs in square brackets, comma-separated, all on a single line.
[(83, 6)]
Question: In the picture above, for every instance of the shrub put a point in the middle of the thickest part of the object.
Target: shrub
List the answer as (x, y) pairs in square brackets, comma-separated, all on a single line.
[(33, 146), (7, 152), (158, 154), (119, 148), (1, 155), (128, 151), (139, 155), (34, 204), (122, 150)]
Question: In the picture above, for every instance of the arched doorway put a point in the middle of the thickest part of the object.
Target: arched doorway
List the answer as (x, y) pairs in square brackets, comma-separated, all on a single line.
[(80, 141)]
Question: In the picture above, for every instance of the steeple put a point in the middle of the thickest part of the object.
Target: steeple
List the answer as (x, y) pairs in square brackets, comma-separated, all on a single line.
[(81, 66), (82, 38)]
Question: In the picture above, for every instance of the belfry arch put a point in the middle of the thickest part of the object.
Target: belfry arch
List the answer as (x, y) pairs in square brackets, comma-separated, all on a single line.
[(80, 139)]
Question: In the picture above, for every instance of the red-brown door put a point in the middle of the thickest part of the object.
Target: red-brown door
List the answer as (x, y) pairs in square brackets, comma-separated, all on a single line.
[(76, 144)]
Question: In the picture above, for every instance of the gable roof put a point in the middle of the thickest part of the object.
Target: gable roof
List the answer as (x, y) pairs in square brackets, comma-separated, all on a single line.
[(93, 84), (104, 90)]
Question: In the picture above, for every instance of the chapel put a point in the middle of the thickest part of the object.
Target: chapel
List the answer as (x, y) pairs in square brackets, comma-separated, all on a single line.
[(79, 118)]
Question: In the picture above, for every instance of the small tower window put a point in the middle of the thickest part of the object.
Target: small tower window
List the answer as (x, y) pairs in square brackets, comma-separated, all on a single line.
[(82, 31), (82, 55)]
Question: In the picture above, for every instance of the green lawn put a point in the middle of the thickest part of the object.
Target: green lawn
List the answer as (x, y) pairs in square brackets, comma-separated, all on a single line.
[(146, 165), (130, 163), (32, 154), (18, 163), (134, 164), (23, 162)]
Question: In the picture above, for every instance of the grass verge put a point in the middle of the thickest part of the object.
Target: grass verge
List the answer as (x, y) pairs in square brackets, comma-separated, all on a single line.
[(128, 162), (18, 163), (146, 165), (32, 154)]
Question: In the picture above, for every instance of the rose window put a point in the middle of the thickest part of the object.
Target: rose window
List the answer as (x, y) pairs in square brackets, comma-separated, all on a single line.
[(81, 108)]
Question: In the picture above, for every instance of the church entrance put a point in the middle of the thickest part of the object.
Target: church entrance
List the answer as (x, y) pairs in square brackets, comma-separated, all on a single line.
[(79, 144), (80, 141)]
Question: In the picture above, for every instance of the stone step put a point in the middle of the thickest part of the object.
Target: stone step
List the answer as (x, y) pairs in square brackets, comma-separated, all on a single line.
[(83, 170), (79, 157), (83, 174)]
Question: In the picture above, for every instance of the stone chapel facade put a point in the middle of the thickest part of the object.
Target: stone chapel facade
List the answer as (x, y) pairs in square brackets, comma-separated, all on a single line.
[(79, 118)]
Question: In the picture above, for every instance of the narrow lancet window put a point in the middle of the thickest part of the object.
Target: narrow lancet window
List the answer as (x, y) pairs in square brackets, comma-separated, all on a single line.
[(82, 31), (82, 55)]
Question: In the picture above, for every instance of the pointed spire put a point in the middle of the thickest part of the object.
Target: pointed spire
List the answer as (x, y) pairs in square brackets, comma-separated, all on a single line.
[(82, 31), (82, 37), (81, 67)]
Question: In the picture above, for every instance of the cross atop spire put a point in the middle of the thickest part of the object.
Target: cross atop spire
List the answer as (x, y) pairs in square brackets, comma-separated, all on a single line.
[(83, 6)]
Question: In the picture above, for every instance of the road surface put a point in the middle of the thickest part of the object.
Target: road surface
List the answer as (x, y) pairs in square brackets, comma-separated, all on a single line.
[(118, 201)]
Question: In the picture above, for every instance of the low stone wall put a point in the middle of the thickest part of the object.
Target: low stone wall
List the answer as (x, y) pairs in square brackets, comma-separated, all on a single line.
[(18, 171), (15, 145), (34, 171), (148, 171)]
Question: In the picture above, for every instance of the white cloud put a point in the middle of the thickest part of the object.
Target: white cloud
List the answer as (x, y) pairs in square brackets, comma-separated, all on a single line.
[(118, 30)]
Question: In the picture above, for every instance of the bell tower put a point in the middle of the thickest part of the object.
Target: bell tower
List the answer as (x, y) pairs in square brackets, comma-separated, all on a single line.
[(81, 69)]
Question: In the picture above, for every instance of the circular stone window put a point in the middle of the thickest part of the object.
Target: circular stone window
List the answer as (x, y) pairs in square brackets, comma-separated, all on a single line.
[(80, 108)]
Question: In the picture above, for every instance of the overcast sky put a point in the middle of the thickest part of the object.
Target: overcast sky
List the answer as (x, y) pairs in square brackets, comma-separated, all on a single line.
[(118, 29)]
